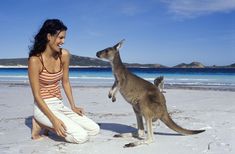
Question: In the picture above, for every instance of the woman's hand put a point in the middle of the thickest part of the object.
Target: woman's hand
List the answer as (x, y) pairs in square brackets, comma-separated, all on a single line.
[(78, 110), (59, 127)]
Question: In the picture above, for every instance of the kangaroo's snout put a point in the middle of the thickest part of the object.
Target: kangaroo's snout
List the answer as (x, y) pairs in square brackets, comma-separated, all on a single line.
[(98, 54)]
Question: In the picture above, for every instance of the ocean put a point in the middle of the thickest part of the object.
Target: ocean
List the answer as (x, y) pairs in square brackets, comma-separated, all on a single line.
[(217, 78)]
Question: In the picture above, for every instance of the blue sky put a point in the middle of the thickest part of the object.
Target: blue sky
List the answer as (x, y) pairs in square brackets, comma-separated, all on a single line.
[(166, 32)]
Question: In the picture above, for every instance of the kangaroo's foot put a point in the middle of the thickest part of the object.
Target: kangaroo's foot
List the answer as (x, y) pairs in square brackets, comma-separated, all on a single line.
[(36, 129), (137, 143), (123, 135), (138, 134)]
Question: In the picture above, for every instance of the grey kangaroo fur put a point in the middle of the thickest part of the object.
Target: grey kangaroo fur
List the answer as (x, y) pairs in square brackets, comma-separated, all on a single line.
[(159, 82), (146, 99)]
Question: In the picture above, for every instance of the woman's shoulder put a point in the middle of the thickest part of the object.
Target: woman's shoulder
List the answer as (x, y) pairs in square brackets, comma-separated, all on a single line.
[(65, 54), (34, 60), (35, 63)]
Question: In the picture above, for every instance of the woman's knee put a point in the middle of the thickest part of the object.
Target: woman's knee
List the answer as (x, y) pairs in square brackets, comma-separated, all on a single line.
[(76, 137), (94, 130)]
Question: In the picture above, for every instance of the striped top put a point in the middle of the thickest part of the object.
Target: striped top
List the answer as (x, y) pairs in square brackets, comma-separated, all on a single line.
[(49, 82)]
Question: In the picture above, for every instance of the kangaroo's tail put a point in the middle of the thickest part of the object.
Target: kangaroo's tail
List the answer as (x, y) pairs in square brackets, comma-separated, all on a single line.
[(171, 124)]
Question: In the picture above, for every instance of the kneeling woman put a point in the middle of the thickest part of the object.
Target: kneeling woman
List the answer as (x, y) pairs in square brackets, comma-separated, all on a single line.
[(48, 64)]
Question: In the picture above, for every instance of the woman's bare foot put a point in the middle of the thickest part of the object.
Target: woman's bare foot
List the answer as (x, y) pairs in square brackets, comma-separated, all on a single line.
[(36, 129)]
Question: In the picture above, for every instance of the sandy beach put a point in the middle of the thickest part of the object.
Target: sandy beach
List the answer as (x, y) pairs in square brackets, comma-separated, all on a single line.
[(194, 109)]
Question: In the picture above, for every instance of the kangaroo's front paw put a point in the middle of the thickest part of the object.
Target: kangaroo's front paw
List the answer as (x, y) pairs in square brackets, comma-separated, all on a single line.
[(113, 99), (110, 95)]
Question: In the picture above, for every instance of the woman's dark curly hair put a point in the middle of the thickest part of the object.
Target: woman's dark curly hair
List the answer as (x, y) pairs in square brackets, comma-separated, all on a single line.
[(50, 26)]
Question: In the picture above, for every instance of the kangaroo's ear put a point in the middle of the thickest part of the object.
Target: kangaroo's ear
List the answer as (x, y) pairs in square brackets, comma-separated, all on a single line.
[(119, 45)]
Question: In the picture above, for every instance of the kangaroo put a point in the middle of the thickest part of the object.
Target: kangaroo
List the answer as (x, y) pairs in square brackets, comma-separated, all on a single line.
[(159, 82), (146, 99)]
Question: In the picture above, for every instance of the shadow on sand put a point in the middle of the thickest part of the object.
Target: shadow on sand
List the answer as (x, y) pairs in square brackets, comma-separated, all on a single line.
[(121, 128)]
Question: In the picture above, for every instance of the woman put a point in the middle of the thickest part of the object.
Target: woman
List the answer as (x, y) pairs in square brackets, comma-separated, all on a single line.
[(48, 64)]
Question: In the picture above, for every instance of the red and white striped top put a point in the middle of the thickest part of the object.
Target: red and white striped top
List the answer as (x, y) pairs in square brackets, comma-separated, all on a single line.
[(49, 82)]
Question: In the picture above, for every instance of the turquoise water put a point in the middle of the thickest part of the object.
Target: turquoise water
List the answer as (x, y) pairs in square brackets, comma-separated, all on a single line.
[(104, 76)]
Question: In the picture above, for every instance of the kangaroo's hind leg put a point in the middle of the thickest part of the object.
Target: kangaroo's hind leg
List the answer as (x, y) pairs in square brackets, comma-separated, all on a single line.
[(140, 126), (149, 138)]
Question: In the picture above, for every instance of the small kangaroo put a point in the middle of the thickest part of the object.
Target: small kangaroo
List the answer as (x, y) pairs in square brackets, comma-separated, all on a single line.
[(146, 99)]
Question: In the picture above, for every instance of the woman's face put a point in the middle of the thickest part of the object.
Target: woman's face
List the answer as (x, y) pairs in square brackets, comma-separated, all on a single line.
[(56, 41)]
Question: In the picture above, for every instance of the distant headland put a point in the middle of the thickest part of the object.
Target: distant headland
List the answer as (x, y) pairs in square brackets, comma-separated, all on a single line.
[(80, 61)]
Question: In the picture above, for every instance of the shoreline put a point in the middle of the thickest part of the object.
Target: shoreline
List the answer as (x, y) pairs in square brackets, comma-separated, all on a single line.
[(143, 67), (166, 86)]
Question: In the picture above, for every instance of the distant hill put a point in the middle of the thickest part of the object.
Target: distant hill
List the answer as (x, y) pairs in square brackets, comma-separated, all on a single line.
[(145, 65), (94, 62), (232, 65), (191, 65), (87, 61), (14, 62), (76, 61)]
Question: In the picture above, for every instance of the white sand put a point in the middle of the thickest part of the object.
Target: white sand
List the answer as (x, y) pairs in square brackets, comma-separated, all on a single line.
[(193, 109)]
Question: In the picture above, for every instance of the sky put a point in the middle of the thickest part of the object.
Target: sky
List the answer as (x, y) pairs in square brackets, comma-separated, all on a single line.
[(167, 32)]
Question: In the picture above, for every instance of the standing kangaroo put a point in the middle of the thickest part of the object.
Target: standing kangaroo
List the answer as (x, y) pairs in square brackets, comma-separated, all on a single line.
[(146, 99)]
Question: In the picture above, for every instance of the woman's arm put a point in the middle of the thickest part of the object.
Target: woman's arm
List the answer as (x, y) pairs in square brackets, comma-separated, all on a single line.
[(66, 83), (34, 67)]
